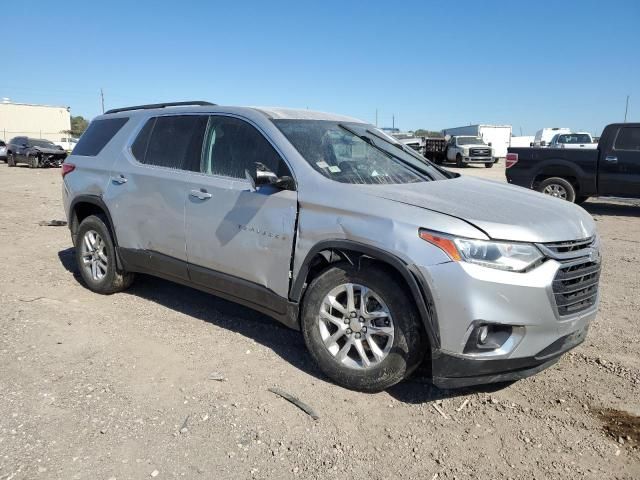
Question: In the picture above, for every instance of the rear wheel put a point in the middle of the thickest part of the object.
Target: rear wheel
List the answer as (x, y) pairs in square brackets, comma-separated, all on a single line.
[(361, 328), (558, 187), (96, 257), (459, 162)]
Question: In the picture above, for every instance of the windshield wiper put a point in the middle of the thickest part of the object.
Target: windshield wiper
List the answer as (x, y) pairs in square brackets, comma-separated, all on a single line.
[(369, 141)]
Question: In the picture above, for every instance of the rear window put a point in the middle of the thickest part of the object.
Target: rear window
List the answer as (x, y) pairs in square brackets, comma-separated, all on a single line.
[(172, 142), (628, 139), (98, 134)]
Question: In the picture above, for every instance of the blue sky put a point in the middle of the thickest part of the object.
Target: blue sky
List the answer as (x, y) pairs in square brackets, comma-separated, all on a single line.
[(525, 63)]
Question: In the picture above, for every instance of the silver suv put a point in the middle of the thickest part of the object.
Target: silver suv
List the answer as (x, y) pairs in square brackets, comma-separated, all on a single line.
[(330, 226)]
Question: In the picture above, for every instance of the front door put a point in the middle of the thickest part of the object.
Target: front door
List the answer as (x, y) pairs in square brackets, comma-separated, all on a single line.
[(240, 241), (148, 192), (619, 169)]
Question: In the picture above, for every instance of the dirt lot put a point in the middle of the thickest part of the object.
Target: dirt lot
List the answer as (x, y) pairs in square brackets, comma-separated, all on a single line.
[(125, 386)]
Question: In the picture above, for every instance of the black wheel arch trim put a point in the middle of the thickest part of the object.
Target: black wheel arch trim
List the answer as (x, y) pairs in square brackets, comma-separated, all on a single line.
[(576, 171), (98, 202), (419, 289)]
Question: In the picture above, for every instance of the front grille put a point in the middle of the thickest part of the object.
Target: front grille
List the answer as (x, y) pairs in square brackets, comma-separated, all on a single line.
[(575, 286), (566, 247), (480, 152)]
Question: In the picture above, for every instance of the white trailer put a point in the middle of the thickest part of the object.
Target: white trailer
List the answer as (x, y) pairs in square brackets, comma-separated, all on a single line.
[(522, 141), (499, 136)]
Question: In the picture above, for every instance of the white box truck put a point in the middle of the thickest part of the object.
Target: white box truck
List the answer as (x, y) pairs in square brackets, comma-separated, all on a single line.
[(498, 136)]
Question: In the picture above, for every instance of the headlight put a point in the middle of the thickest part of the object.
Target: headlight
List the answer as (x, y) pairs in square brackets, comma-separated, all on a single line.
[(513, 257)]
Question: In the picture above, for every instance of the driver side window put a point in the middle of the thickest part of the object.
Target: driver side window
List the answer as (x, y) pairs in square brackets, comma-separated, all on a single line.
[(232, 145)]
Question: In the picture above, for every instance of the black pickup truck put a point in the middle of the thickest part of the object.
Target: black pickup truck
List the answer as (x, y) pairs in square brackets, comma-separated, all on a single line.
[(613, 169)]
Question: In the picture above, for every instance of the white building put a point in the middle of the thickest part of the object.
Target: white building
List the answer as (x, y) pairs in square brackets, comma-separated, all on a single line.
[(37, 121)]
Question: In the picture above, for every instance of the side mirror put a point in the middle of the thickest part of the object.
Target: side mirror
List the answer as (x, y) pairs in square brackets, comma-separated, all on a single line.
[(543, 143), (531, 144), (264, 176), (489, 143)]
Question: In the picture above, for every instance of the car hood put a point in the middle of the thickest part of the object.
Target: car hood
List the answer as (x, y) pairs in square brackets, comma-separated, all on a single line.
[(501, 211), (46, 150)]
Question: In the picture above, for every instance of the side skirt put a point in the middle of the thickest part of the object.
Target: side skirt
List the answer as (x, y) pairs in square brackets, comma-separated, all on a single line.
[(234, 289)]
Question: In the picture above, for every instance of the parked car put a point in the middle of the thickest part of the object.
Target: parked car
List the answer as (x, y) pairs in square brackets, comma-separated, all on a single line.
[(3, 151), (330, 226), (465, 150), (67, 143), (612, 169), (498, 136), (544, 135), (573, 140), (34, 152)]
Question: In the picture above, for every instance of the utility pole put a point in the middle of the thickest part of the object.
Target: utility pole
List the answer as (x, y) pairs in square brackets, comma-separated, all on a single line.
[(393, 121), (102, 98), (626, 110), (376, 117)]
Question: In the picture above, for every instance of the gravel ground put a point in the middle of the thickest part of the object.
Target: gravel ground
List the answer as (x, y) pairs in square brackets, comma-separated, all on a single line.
[(164, 381)]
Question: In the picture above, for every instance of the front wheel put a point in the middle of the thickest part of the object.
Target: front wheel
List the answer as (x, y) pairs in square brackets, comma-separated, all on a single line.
[(96, 257), (459, 162), (361, 328), (11, 159), (558, 187), (33, 162), (488, 165)]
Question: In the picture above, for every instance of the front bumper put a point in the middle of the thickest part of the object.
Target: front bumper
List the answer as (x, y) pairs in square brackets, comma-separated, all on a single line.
[(466, 294), (478, 159), (450, 371)]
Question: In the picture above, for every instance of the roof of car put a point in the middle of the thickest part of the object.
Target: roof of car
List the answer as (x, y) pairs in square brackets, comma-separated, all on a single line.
[(274, 113), (279, 113)]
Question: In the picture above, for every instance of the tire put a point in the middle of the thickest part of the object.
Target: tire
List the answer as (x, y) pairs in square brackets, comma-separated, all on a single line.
[(459, 162), (33, 161), (580, 200), (558, 187), (97, 260), (399, 354), (488, 165), (11, 159)]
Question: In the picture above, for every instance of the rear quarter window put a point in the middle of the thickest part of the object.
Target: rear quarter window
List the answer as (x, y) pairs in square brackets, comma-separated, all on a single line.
[(628, 139), (96, 137)]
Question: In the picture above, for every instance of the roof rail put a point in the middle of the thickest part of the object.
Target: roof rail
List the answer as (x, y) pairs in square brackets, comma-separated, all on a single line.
[(159, 105)]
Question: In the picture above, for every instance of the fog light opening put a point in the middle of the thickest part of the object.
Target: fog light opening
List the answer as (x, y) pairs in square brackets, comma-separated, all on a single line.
[(486, 337)]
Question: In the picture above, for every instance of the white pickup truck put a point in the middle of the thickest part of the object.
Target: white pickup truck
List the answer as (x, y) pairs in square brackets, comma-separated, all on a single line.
[(465, 150), (573, 140)]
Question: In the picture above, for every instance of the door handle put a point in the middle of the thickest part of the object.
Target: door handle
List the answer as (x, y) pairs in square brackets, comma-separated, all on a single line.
[(611, 159), (202, 194), (120, 179)]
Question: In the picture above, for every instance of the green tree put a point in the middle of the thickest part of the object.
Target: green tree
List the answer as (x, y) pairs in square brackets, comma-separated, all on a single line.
[(78, 125), (426, 133)]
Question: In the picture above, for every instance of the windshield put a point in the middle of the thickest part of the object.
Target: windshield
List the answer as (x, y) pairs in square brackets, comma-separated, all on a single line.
[(574, 138), (355, 153), (41, 143), (470, 141)]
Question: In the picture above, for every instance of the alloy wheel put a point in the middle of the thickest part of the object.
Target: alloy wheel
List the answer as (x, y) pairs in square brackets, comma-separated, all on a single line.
[(94, 255), (555, 190), (356, 326)]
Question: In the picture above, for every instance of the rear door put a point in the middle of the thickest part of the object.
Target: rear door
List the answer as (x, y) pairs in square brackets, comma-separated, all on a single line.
[(240, 241), (619, 173), (148, 192)]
